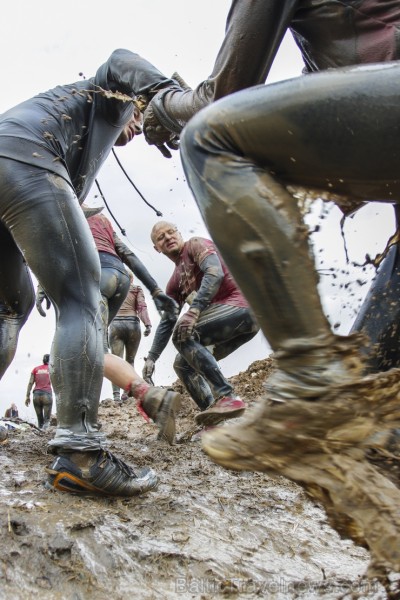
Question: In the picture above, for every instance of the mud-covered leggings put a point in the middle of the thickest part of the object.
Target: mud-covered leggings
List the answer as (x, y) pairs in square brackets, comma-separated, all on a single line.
[(220, 330), (114, 286), (42, 403), (379, 316), (337, 131), (124, 337), (42, 223)]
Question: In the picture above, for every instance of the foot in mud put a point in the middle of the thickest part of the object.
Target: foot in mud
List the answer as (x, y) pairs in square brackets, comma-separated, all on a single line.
[(98, 473), (223, 409), (162, 406), (349, 415), (321, 445)]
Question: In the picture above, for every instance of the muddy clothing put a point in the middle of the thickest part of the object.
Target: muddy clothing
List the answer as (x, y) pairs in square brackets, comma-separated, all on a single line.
[(70, 130), (329, 34), (113, 253), (103, 234), (220, 330), (225, 323), (51, 149), (11, 412), (135, 305), (272, 136), (42, 394), (189, 275), (382, 307), (42, 403), (40, 376), (114, 281), (258, 150), (124, 333)]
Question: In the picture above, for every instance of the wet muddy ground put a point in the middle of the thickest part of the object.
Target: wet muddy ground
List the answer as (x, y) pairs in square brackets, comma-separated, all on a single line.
[(203, 533)]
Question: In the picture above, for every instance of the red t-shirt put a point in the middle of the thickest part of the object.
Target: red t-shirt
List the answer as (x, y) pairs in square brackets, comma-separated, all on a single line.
[(42, 379), (103, 233), (187, 276)]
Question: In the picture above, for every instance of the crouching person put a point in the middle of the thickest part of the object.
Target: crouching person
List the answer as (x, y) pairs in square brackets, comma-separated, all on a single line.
[(217, 322)]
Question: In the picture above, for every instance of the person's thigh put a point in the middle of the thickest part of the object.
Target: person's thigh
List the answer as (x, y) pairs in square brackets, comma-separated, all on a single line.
[(47, 403), (16, 289), (114, 286), (116, 337), (132, 340), (16, 297), (38, 398), (45, 219), (220, 324), (338, 131), (48, 225)]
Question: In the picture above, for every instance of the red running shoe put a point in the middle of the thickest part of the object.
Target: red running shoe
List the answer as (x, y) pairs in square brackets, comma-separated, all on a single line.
[(224, 408)]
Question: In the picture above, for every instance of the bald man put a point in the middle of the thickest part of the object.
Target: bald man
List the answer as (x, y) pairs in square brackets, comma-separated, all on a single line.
[(217, 322)]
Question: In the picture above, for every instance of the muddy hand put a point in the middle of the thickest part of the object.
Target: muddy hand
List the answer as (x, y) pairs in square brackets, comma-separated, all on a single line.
[(148, 370), (40, 296), (157, 135), (165, 305), (185, 326)]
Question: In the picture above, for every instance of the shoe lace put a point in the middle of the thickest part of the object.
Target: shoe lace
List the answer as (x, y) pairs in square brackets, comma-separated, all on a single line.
[(120, 464)]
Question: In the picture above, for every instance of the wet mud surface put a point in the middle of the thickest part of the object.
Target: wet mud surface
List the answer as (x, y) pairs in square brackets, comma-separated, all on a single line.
[(205, 532)]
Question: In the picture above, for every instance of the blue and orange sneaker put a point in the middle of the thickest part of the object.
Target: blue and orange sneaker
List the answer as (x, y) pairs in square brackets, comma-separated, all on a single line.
[(98, 473)]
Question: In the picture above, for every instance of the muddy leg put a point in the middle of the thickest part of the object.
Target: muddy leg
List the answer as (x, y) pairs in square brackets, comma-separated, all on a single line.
[(255, 222), (321, 445)]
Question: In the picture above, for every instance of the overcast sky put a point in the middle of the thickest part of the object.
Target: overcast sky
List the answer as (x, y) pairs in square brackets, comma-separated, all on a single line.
[(43, 45)]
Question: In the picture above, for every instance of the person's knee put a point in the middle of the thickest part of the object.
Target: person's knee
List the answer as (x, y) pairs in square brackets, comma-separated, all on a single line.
[(20, 306), (17, 314), (179, 364), (199, 133), (181, 347), (69, 285)]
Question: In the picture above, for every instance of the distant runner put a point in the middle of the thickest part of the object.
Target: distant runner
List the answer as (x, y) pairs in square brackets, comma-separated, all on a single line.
[(42, 393)]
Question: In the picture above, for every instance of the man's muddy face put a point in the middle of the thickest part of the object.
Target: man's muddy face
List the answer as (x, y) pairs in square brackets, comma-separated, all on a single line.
[(167, 240), (132, 128)]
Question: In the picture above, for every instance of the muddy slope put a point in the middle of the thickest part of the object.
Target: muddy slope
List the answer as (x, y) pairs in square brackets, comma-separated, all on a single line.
[(204, 533)]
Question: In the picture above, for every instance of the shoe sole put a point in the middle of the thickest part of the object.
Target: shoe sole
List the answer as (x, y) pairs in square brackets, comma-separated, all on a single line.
[(228, 459), (214, 418), (67, 482), (166, 416)]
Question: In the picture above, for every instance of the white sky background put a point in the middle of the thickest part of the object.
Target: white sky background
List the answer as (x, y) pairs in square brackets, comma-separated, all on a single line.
[(42, 46)]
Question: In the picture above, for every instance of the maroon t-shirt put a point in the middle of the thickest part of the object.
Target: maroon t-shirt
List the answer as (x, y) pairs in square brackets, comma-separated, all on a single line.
[(42, 379), (103, 233), (187, 276)]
